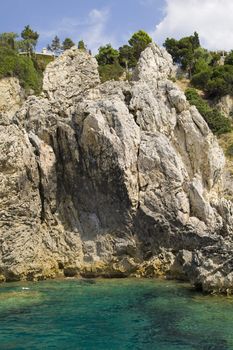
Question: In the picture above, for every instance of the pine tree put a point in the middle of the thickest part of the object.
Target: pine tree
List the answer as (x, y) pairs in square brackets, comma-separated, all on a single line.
[(30, 39), (67, 44), (81, 45), (139, 41), (55, 46)]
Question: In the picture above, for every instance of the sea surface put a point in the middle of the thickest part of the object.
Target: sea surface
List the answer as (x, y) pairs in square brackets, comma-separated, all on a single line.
[(114, 314)]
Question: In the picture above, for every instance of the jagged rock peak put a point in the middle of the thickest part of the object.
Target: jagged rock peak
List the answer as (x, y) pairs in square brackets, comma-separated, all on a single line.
[(70, 74), (120, 178), (155, 63)]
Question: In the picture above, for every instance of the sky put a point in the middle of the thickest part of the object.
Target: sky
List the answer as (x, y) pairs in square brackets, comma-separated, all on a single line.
[(99, 22)]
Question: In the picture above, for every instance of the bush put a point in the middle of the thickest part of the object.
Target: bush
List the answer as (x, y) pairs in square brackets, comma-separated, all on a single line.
[(22, 67), (215, 120), (229, 58), (220, 82), (28, 77), (215, 81), (41, 61), (199, 80), (110, 71), (8, 59)]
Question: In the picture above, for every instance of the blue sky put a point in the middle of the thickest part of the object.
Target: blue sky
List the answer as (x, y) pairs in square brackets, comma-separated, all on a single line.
[(98, 22)]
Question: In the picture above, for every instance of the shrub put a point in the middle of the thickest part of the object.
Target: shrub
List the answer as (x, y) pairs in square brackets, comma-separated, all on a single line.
[(215, 120), (22, 67), (110, 71), (28, 77), (199, 80), (215, 81), (229, 58), (41, 61), (220, 82), (8, 59)]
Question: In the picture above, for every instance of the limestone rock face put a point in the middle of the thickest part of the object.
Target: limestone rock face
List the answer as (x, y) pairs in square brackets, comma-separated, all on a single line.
[(113, 179), (71, 74), (11, 96), (225, 105)]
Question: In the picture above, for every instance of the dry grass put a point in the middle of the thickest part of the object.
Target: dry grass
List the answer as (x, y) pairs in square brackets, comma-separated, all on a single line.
[(183, 84)]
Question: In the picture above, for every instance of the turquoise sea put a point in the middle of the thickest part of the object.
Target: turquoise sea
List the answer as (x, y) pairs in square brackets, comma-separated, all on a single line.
[(113, 314)]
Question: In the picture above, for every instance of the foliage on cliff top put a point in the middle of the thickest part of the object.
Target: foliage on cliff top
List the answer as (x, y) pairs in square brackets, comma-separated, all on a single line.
[(22, 67), (216, 120), (25, 67), (209, 71), (113, 63)]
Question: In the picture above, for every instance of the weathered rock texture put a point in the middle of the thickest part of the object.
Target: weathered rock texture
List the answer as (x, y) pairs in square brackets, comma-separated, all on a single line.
[(225, 105), (113, 179), (11, 96)]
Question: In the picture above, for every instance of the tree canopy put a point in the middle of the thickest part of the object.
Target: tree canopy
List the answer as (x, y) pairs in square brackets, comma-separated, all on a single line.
[(81, 45), (107, 55), (229, 58), (55, 46), (67, 44), (8, 40), (113, 62), (207, 70), (183, 51), (30, 38), (139, 41)]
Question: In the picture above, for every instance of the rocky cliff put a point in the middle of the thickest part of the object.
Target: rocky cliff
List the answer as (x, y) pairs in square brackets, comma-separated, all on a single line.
[(113, 179)]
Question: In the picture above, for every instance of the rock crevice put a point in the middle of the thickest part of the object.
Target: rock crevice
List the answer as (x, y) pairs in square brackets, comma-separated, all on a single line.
[(113, 179)]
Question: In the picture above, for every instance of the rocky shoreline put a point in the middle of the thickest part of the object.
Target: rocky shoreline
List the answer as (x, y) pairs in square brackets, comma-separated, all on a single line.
[(113, 179)]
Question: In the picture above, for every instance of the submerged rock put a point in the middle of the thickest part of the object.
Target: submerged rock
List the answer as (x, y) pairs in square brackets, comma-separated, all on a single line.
[(113, 179)]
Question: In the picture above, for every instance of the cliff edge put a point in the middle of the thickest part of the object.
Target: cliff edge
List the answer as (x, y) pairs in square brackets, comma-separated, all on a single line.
[(113, 179)]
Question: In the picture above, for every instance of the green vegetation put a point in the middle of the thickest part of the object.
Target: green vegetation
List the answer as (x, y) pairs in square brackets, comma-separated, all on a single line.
[(207, 70), (107, 55), (67, 44), (30, 39), (229, 58), (215, 82), (216, 121), (17, 59), (111, 71), (210, 72), (55, 47), (81, 45), (183, 51), (114, 63), (22, 67), (138, 42), (40, 61)]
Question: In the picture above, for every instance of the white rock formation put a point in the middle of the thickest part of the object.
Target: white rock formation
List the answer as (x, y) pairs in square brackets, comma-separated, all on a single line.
[(11, 96), (113, 179)]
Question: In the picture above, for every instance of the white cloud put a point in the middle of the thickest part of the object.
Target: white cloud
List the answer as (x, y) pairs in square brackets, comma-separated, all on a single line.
[(92, 29), (212, 19), (95, 34)]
